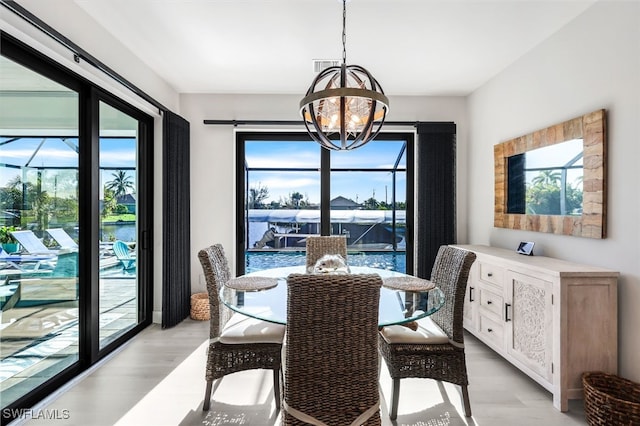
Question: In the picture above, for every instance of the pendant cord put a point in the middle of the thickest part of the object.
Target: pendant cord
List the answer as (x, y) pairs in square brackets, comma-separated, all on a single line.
[(344, 32)]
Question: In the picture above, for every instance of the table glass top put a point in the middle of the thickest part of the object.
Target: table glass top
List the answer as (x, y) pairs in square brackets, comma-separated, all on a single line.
[(396, 306)]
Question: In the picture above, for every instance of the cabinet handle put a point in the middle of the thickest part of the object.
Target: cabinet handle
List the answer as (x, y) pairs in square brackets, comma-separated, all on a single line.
[(489, 302), (490, 274), (490, 330), (471, 299), (506, 312)]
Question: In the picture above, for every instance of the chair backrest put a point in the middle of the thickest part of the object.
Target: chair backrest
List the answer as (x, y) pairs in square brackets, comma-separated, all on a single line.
[(450, 272), (30, 242), (121, 250), (331, 368), (216, 273), (318, 246), (62, 238)]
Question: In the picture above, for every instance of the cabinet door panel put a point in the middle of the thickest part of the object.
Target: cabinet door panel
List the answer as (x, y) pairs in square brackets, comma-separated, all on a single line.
[(529, 322)]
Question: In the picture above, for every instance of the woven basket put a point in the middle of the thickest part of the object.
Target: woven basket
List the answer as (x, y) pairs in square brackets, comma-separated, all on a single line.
[(200, 307), (610, 400)]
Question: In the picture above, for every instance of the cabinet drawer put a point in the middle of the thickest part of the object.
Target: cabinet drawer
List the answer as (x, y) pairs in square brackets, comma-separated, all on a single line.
[(492, 273), (492, 331), (491, 301)]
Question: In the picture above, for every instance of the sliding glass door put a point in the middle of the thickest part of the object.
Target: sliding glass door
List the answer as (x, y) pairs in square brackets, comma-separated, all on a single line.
[(39, 329), (118, 223), (75, 186)]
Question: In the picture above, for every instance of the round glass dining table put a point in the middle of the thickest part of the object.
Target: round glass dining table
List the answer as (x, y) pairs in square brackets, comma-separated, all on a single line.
[(395, 306)]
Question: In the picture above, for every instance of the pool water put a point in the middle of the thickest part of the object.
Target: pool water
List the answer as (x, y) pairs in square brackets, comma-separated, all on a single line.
[(258, 261)]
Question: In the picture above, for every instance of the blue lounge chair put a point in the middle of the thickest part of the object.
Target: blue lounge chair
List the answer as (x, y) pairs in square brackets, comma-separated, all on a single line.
[(121, 250)]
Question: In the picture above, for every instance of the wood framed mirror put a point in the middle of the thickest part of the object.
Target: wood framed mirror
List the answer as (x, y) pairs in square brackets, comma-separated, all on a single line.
[(564, 194)]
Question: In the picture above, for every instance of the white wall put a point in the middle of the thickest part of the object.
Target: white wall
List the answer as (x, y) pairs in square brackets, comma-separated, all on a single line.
[(213, 157), (592, 63)]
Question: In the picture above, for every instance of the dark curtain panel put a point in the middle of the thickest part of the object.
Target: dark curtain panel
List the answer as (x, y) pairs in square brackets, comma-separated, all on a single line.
[(436, 190), (176, 240)]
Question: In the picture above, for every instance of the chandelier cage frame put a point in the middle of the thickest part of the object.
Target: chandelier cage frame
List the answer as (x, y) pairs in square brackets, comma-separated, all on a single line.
[(337, 102)]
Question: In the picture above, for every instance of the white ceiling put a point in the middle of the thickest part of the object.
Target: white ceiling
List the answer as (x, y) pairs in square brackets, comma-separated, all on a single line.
[(412, 47)]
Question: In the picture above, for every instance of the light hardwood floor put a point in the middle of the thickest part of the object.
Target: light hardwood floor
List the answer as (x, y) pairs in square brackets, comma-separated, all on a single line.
[(158, 379)]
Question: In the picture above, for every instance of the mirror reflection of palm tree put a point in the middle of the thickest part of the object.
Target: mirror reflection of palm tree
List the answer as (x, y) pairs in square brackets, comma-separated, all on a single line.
[(121, 183), (547, 177)]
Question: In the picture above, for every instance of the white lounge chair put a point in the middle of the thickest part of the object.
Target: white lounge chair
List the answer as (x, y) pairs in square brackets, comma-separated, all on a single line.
[(62, 238), (17, 263), (31, 243)]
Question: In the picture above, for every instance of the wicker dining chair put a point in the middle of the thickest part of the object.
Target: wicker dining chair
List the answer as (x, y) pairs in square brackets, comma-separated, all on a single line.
[(236, 342), (436, 349), (318, 246), (331, 361)]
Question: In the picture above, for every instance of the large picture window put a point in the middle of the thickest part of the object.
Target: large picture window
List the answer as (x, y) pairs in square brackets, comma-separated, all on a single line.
[(290, 188)]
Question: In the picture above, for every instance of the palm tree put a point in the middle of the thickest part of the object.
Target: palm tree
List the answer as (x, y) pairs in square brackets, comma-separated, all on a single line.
[(257, 194), (547, 177), (121, 183)]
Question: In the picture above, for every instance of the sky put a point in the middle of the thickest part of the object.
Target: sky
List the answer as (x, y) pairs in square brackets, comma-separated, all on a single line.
[(355, 185), (557, 155), (120, 153), (115, 153)]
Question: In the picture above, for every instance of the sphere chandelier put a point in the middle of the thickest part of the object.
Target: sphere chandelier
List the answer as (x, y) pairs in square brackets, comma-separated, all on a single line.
[(345, 107)]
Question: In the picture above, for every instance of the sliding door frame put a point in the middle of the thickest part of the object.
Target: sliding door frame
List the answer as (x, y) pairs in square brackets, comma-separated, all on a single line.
[(89, 96)]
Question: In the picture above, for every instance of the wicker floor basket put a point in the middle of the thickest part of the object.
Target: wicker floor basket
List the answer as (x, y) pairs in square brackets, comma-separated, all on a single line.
[(200, 307), (610, 400)]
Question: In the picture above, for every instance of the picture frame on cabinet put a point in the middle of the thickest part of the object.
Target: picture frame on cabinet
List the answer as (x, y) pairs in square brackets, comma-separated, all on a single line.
[(526, 248)]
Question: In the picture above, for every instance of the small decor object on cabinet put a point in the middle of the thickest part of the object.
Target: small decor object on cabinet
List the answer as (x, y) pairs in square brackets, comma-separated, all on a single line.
[(610, 399), (526, 248), (200, 307)]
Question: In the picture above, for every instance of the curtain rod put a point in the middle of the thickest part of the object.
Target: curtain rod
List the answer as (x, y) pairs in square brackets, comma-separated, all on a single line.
[(289, 123), (78, 52)]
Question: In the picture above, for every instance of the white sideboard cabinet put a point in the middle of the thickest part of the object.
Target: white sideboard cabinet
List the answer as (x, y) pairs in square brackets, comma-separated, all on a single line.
[(552, 319)]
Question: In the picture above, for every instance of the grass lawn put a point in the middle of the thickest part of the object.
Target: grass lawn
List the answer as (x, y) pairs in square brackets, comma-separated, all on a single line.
[(119, 218)]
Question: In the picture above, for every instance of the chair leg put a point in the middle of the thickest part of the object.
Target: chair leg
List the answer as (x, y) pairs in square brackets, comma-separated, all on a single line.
[(207, 396), (395, 396), (465, 399), (276, 387)]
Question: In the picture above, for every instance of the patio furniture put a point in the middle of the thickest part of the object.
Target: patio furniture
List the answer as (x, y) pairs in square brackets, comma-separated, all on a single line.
[(19, 263), (318, 246), (236, 342), (31, 243), (331, 362), (436, 349), (124, 255), (63, 239)]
